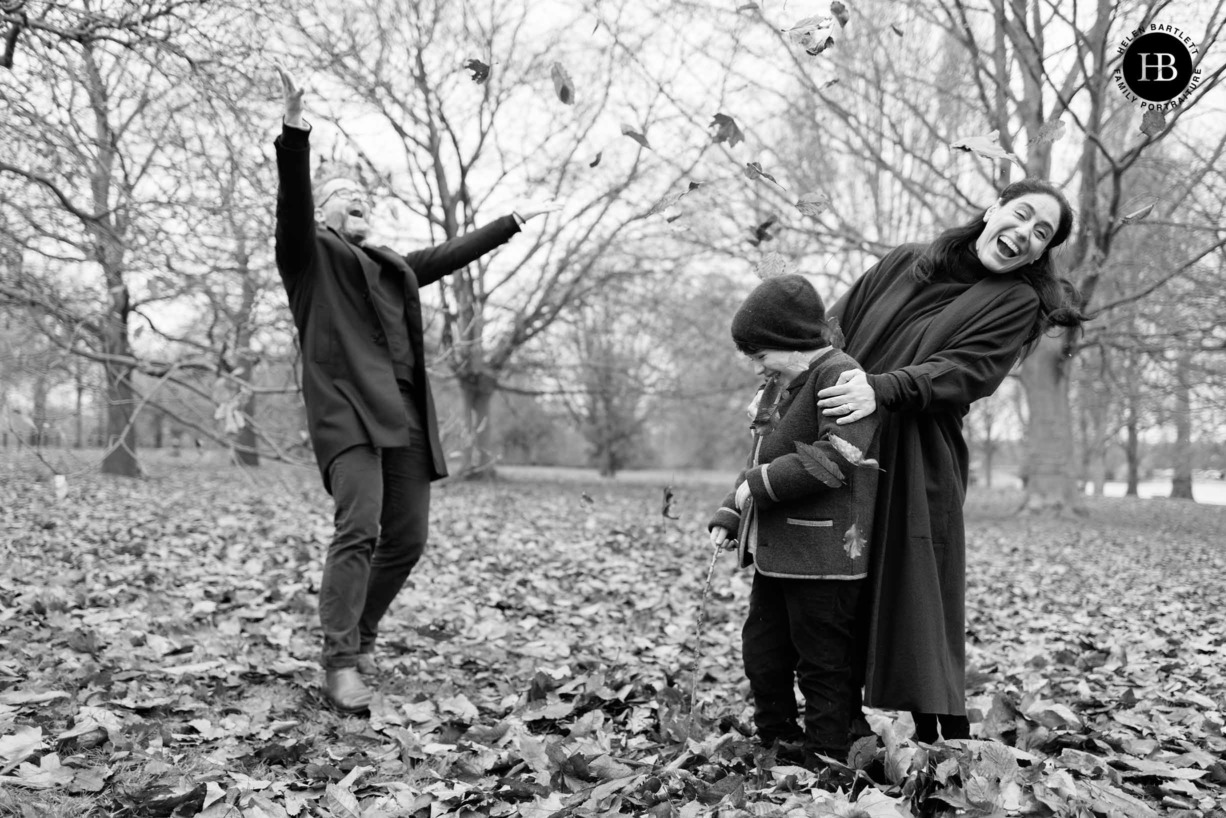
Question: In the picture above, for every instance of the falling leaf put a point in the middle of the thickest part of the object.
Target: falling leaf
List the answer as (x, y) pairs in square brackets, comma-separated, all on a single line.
[(726, 130), (748, 7), (896, 29), (665, 203), (813, 204), (481, 71), (669, 497), (1137, 215), (772, 265), (562, 84), (1050, 132), (766, 412), (840, 12), (828, 83), (636, 136), (761, 232), (813, 34), (850, 452), (694, 186), (587, 498), (1153, 123), (987, 146), (819, 465), (753, 170), (596, 161)]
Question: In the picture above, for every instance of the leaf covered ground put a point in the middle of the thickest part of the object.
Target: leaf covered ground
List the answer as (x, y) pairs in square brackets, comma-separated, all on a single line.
[(158, 643)]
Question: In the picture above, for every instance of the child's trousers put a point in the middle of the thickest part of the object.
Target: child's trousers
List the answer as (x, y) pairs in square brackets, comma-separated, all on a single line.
[(802, 630)]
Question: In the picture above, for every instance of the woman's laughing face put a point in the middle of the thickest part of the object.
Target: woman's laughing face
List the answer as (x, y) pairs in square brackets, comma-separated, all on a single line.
[(1017, 232)]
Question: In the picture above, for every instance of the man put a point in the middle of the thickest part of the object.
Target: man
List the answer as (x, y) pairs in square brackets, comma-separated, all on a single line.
[(370, 413)]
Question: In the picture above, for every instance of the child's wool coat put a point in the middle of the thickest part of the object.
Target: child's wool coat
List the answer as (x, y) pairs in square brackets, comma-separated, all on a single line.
[(811, 510)]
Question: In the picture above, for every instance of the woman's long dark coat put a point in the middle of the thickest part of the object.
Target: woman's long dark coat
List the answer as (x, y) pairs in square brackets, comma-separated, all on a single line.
[(930, 350)]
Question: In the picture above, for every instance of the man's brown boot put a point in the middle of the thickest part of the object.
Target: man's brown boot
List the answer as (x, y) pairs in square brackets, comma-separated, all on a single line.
[(346, 690)]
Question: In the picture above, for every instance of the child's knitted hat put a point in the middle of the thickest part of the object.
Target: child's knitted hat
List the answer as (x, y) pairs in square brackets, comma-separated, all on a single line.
[(784, 312)]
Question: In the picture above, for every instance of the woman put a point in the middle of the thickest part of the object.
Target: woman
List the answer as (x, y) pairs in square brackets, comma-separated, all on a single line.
[(936, 328)]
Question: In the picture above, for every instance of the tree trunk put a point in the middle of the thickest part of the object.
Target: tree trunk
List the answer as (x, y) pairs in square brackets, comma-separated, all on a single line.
[(108, 234), (1131, 448), (989, 441), (1181, 480), (1051, 466), (246, 449), (972, 443), (607, 460), (988, 449), (1098, 471), (158, 421), (38, 414), (477, 391), (1094, 436), (246, 444), (80, 419), (1087, 441), (119, 445), (605, 430)]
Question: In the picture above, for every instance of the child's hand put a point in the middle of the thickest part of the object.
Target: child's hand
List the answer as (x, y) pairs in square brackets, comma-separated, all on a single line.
[(742, 495), (719, 537)]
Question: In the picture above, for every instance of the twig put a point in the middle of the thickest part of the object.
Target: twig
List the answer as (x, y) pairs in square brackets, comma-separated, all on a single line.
[(21, 444), (702, 611)]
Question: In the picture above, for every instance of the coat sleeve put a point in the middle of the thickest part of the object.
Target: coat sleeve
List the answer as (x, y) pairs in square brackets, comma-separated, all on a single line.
[(432, 263), (847, 309), (726, 516), (971, 366), (295, 231), (839, 450)]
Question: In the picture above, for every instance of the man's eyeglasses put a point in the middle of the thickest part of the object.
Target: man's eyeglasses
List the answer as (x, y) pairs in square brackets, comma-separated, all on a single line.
[(353, 194)]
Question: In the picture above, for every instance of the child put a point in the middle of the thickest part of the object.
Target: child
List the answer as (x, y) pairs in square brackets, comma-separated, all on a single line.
[(802, 512)]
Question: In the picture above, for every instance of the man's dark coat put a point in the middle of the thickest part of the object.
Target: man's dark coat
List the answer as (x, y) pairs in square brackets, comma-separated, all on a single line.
[(350, 391)]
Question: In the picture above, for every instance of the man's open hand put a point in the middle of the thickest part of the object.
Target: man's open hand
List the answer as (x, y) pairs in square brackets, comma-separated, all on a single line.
[(538, 207), (293, 99)]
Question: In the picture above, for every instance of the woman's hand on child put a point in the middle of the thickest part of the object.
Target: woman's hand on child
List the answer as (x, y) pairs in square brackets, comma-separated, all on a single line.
[(850, 399)]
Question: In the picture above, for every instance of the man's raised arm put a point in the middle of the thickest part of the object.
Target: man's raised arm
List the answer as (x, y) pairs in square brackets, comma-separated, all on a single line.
[(295, 207)]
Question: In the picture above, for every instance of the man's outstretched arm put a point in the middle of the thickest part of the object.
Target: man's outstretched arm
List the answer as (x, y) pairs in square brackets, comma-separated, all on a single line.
[(432, 263)]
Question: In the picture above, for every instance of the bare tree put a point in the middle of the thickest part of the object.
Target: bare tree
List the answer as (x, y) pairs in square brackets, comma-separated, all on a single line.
[(453, 146), (92, 107), (1039, 74), (117, 123)]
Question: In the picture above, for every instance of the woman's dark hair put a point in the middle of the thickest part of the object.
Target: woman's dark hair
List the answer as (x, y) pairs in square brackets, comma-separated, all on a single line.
[(1059, 300)]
